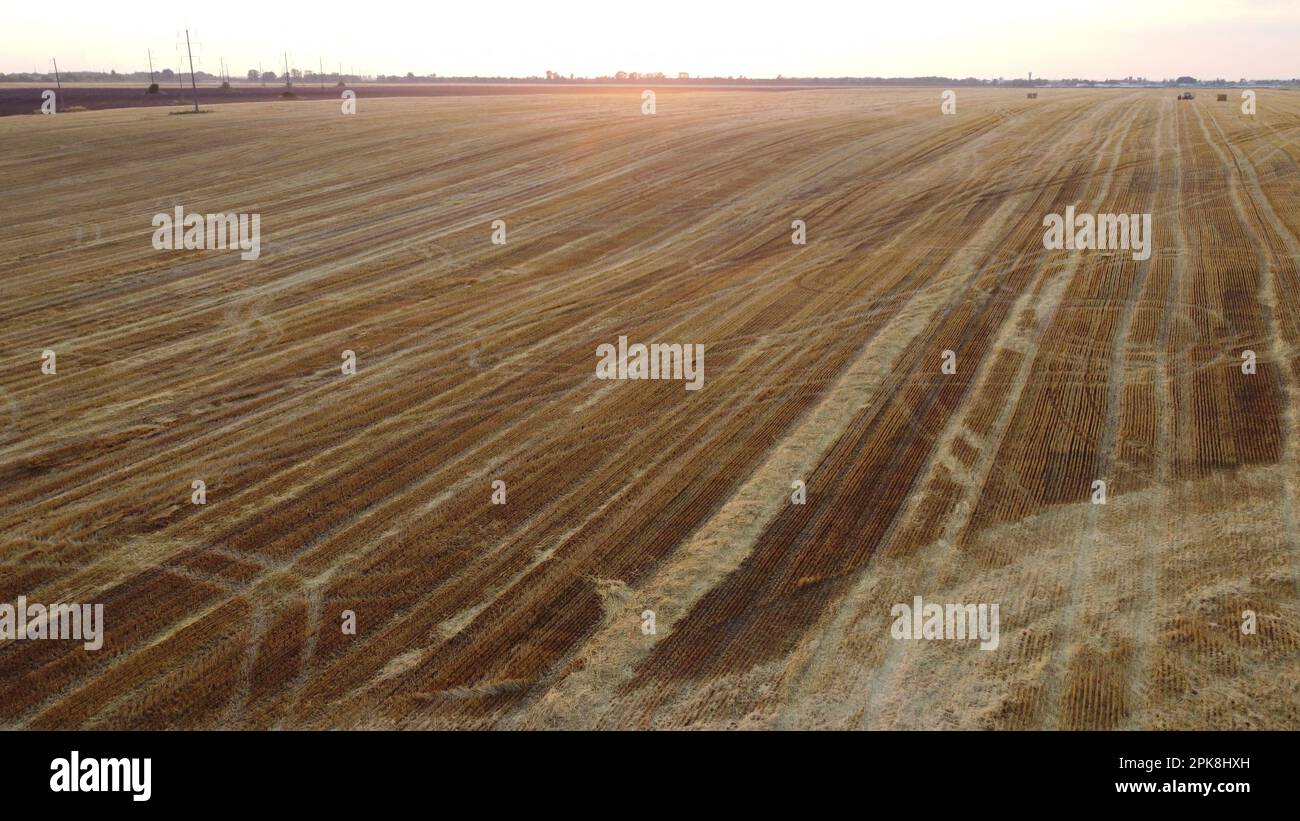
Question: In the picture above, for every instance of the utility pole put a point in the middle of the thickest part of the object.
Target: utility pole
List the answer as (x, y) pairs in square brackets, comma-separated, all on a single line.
[(320, 66), (259, 73), (194, 85), (56, 73), (150, 53), (288, 83)]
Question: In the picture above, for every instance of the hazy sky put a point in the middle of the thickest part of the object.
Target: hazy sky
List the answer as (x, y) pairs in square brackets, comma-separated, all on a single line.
[(1001, 38)]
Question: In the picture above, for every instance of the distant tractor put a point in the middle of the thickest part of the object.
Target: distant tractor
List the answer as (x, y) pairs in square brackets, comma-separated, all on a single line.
[(1186, 95), (1033, 95), (1223, 98)]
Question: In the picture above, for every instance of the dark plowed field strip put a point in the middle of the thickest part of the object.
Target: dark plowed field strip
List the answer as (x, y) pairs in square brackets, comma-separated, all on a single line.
[(332, 496)]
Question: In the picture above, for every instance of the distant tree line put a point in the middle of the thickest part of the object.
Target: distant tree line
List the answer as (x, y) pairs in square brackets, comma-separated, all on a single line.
[(166, 75)]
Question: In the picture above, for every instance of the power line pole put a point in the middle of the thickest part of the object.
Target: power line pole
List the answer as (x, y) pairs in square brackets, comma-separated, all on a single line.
[(320, 66), (288, 83), (150, 53), (194, 85), (56, 73)]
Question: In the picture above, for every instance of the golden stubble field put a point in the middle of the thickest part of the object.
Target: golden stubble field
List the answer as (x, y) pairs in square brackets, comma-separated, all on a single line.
[(372, 492)]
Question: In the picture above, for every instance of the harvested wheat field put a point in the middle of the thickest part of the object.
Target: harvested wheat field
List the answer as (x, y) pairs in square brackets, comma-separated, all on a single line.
[(374, 493)]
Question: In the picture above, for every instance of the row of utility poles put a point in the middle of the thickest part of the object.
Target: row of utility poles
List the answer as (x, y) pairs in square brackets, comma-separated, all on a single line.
[(189, 51)]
